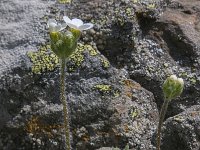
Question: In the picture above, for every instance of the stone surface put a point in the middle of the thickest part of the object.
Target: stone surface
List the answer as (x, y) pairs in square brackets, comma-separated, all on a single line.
[(181, 132), (106, 108), (22, 29), (132, 40), (170, 45)]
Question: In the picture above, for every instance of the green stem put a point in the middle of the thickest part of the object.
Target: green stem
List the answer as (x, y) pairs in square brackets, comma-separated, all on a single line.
[(162, 116), (65, 105)]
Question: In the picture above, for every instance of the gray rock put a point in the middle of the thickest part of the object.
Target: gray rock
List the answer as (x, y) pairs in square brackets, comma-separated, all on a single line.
[(108, 109), (170, 45), (181, 132), (22, 29)]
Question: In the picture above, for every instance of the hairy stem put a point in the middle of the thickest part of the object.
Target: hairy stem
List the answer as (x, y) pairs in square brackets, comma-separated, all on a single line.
[(162, 116), (65, 105)]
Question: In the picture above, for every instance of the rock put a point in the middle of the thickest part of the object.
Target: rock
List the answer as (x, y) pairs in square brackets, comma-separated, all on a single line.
[(106, 107), (130, 41), (22, 29), (170, 45), (181, 132)]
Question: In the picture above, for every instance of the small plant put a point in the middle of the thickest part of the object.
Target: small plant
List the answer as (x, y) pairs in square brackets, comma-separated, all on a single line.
[(172, 87), (63, 44)]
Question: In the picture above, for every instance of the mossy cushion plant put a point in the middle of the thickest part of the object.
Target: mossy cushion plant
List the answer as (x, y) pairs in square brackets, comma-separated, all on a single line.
[(172, 87), (63, 44)]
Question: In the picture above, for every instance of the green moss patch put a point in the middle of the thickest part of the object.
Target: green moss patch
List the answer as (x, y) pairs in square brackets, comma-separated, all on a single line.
[(43, 60), (105, 63), (106, 89), (103, 87), (64, 1)]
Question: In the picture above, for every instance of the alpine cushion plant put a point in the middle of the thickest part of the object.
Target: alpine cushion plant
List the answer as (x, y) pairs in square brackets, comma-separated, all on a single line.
[(63, 44), (172, 87)]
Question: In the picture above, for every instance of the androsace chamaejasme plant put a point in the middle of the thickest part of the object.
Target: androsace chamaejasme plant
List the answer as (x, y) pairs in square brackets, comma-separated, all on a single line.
[(63, 44), (172, 87)]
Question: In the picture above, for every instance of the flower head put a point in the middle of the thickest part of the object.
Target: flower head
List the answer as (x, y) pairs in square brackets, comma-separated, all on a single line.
[(63, 44), (173, 87), (54, 26), (77, 24)]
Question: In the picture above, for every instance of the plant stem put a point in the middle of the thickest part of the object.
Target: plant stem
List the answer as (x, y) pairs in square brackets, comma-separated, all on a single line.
[(65, 105), (162, 116)]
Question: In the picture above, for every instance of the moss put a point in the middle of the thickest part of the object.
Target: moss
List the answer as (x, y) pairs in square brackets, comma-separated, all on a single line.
[(107, 90), (64, 1), (43, 60), (178, 119), (105, 63), (91, 50), (151, 6), (134, 113), (128, 11), (103, 87), (124, 15), (77, 57), (116, 93)]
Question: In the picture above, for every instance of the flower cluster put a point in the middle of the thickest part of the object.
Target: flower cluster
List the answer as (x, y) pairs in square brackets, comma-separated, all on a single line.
[(173, 87), (64, 43)]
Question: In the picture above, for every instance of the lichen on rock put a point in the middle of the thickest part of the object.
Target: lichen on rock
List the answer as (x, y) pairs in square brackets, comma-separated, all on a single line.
[(43, 60), (64, 1)]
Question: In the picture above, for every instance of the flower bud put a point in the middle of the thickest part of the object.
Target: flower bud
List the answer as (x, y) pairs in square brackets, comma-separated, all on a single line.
[(63, 44), (173, 87)]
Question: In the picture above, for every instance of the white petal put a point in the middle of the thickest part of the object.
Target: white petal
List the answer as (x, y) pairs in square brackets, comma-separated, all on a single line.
[(77, 22), (63, 26), (173, 77), (58, 28), (52, 27), (72, 26), (66, 19), (85, 26), (180, 80), (51, 22)]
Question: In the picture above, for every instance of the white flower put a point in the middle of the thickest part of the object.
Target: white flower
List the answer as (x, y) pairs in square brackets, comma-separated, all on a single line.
[(173, 77), (77, 24), (54, 26), (180, 81)]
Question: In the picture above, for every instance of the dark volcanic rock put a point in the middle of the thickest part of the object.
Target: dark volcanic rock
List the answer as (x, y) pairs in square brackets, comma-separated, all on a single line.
[(181, 132), (108, 109), (170, 45)]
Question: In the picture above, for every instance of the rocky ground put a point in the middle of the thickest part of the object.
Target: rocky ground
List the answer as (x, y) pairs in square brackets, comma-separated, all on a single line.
[(113, 82)]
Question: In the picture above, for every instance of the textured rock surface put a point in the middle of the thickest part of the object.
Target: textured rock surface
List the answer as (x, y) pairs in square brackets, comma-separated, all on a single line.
[(182, 131), (130, 41), (106, 108), (22, 29), (170, 46)]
